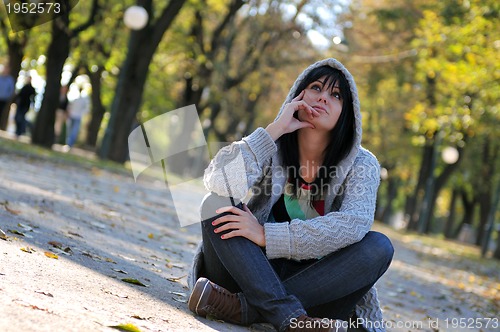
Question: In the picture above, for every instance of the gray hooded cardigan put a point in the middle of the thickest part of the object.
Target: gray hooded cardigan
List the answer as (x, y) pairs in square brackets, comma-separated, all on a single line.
[(349, 202)]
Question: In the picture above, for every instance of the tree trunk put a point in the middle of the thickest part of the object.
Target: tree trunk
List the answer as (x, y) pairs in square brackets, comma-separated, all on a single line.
[(490, 224), (468, 217), (43, 133), (392, 192), (16, 54), (448, 229), (98, 109), (414, 202), (438, 185), (485, 191), (496, 254), (128, 97)]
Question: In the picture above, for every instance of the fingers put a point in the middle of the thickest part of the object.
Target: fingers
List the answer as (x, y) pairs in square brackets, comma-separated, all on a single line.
[(246, 209), (307, 108), (230, 208), (228, 226), (299, 97), (227, 218)]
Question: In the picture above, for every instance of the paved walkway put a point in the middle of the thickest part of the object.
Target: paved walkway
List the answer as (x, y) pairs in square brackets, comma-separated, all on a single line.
[(73, 233)]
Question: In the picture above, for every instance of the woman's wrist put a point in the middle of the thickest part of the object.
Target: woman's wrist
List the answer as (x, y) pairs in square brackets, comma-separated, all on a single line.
[(274, 131)]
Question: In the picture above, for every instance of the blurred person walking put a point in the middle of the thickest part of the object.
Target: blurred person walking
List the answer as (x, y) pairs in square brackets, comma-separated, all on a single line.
[(61, 115), (76, 110), (23, 100), (7, 86)]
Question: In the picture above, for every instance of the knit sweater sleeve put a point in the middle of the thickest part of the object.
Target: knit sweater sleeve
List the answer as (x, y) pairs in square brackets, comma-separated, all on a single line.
[(317, 237), (368, 309), (237, 167)]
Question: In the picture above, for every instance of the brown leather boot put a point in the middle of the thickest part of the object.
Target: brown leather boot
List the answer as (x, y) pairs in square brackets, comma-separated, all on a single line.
[(304, 323), (211, 299)]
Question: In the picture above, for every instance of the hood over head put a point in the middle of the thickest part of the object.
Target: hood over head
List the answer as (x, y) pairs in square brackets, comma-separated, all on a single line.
[(354, 92), (346, 164)]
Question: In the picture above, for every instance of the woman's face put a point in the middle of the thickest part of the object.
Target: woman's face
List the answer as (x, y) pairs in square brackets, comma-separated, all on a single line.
[(326, 100)]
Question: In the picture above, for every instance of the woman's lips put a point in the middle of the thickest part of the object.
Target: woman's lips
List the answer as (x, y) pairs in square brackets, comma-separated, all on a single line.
[(320, 108)]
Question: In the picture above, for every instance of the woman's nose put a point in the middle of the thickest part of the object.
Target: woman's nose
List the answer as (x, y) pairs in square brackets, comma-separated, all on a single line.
[(322, 98)]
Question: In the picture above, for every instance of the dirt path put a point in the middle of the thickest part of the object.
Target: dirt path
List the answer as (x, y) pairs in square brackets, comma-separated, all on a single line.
[(104, 227)]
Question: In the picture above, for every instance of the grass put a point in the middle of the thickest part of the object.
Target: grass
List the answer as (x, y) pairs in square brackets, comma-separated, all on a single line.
[(439, 245), (78, 157), (30, 150)]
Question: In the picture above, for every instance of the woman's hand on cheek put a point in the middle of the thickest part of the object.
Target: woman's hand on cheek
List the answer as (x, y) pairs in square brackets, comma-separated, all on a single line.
[(240, 223), (287, 123)]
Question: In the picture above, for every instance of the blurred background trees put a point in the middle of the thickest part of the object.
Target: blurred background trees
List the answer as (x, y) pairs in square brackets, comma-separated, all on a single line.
[(428, 75)]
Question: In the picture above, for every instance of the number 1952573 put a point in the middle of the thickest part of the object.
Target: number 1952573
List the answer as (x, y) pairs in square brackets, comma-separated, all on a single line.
[(33, 8)]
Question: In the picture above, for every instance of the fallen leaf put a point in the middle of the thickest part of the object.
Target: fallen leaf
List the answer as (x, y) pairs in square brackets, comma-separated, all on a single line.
[(60, 251), (176, 279), (151, 235), (25, 304), (116, 189), (3, 236), (98, 224), (29, 250), (75, 234), (179, 300), (134, 281), (109, 260), (117, 295), (13, 231), (51, 255), (55, 244), (44, 293), (14, 212), (178, 293), (25, 227), (138, 317), (120, 271), (126, 327)]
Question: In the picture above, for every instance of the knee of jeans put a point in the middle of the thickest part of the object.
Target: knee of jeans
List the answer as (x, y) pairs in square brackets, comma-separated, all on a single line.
[(381, 247), (212, 202)]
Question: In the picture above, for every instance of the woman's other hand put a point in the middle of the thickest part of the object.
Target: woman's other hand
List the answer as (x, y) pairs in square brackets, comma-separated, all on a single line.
[(240, 223), (287, 123)]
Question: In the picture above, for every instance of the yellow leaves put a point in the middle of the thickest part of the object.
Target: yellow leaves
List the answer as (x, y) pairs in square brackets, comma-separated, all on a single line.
[(51, 255), (126, 327), (116, 189), (29, 250), (3, 236), (151, 236), (471, 58), (431, 125), (134, 282)]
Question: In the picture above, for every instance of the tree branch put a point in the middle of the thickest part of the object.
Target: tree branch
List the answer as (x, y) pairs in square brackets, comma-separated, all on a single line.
[(166, 18), (90, 21), (197, 31), (216, 36), (5, 31)]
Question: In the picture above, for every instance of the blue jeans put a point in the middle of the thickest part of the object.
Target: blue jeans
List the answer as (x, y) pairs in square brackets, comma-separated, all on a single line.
[(73, 131), (21, 122), (278, 290)]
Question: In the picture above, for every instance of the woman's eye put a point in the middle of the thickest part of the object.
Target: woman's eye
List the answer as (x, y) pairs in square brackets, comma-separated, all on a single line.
[(336, 95), (316, 87)]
